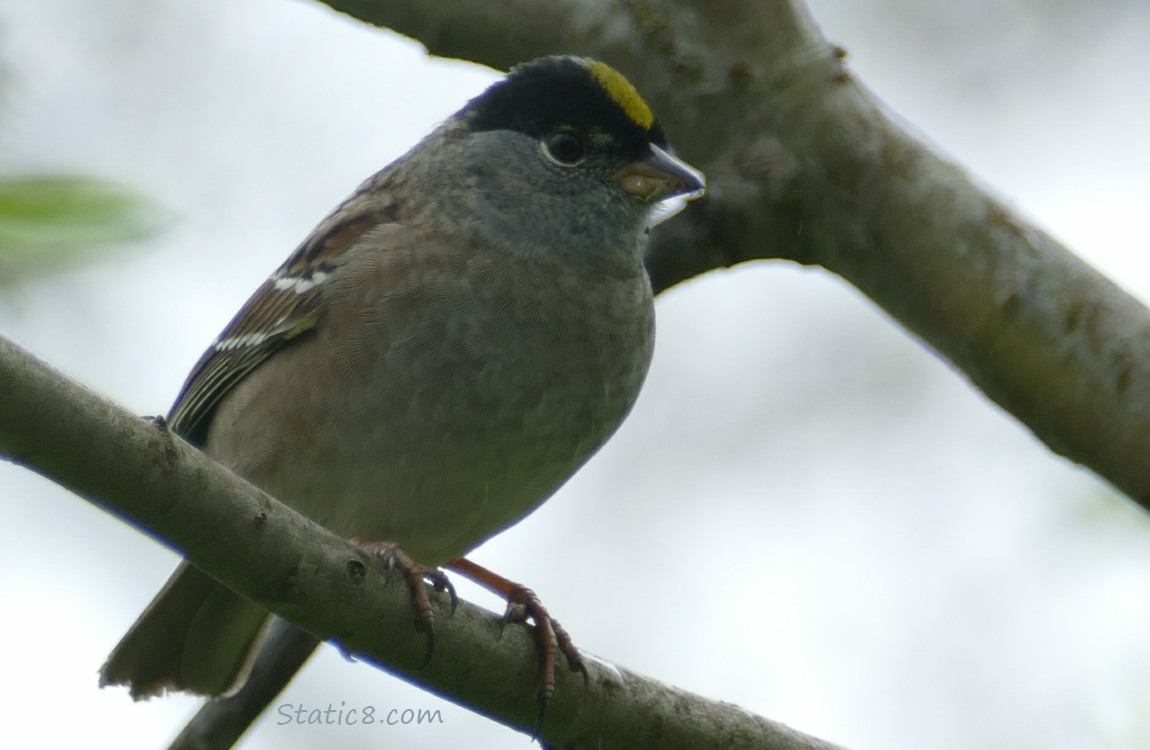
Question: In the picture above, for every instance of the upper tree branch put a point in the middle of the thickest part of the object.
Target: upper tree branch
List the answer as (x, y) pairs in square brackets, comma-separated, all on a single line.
[(805, 165)]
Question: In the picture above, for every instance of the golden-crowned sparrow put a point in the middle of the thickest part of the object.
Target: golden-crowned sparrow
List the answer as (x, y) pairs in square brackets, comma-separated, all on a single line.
[(439, 355)]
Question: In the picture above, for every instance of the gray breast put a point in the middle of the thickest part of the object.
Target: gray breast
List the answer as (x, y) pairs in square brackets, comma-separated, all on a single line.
[(449, 399)]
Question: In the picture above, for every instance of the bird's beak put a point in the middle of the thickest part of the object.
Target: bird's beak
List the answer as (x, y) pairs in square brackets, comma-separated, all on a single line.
[(658, 176)]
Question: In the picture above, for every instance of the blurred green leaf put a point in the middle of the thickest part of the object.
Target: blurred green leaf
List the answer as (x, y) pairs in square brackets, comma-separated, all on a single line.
[(52, 222)]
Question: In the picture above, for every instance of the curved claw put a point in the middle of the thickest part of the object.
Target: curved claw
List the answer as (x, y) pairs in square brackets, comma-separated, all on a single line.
[(523, 605), (570, 651), (416, 575), (551, 638), (440, 582)]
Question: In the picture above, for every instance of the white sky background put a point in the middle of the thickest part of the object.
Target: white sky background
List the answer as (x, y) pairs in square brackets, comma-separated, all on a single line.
[(807, 514)]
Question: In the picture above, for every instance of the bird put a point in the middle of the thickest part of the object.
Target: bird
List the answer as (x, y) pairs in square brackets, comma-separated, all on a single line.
[(441, 354)]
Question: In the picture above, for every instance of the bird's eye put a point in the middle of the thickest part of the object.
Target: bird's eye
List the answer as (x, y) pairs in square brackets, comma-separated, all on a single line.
[(564, 147)]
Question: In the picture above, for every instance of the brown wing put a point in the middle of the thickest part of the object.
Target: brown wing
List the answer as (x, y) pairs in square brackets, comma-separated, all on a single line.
[(285, 307), (270, 319)]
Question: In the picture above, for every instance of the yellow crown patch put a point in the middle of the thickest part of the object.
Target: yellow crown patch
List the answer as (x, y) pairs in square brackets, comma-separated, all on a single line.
[(622, 92)]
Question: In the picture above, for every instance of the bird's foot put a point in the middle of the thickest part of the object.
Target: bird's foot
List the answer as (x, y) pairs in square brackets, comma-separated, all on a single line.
[(416, 575), (523, 605)]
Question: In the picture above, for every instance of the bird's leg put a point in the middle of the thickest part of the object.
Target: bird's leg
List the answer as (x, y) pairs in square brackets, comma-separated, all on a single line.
[(417, 576), (522, 603)]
